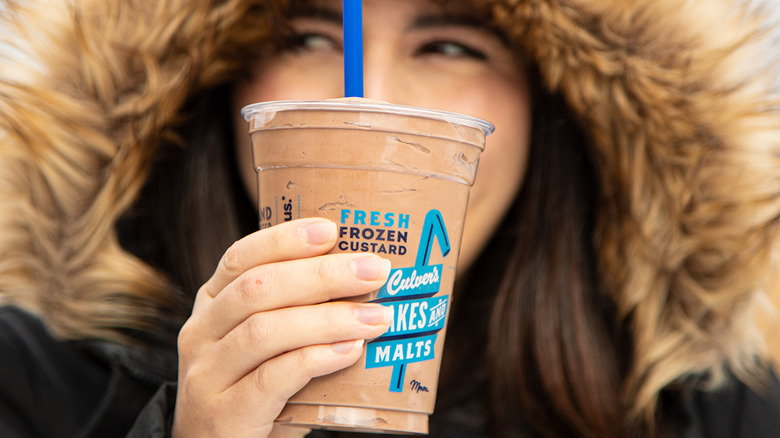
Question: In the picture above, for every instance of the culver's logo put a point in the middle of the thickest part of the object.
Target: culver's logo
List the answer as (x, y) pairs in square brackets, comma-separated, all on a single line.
[(419, 316), (399, 282), (413, 280)]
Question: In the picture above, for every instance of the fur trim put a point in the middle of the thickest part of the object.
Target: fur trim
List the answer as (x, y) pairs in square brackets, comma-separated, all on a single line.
[(687, 140), (679, 99), (89, 89)]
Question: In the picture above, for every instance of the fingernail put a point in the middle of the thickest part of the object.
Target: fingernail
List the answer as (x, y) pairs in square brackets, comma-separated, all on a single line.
[(370, 268), (346, 346), (373, 314), (319, 233)]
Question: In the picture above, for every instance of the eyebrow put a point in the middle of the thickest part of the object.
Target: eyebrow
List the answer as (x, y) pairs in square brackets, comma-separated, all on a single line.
[(459, 20), (424, 21), (421, 22), (321, 13), (438, 20)]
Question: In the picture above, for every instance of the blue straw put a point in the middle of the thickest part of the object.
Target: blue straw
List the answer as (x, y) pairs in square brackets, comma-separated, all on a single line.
[(353, 48)]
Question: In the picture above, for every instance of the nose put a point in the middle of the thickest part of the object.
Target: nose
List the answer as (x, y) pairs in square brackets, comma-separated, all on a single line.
[(384, 78)]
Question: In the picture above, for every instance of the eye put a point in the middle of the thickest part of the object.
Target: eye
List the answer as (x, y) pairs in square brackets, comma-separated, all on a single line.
[(451, 49), (307, 42)]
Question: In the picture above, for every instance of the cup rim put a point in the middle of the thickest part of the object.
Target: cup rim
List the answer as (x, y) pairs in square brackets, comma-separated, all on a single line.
[(368, 106)]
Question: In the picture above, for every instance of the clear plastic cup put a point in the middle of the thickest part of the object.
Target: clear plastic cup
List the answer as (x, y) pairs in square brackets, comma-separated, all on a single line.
[(396, 180)]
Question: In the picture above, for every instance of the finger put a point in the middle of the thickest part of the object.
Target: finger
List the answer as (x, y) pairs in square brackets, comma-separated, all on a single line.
[(290, 240), (294, 283), (250, 407), (269, 387), (270, 334)]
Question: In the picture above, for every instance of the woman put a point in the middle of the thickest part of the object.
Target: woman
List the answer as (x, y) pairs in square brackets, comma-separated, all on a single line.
[(627, 206)]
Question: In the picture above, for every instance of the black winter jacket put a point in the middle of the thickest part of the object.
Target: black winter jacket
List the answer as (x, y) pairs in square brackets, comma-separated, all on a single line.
[(99, 390)]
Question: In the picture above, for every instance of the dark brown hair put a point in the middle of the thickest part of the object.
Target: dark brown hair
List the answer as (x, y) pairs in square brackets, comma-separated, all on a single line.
[(193, 206), (552, 346), (555, 352)]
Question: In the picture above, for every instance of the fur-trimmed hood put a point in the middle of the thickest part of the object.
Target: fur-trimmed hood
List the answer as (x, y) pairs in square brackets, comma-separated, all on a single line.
[(679, 98)]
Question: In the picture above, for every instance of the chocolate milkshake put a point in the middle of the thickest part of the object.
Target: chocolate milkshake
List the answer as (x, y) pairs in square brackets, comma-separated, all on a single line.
[(396, 180)]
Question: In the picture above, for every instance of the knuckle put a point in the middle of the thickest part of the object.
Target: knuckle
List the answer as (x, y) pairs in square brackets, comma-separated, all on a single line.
[(328, 269), (331, 315), (231, 259), (301, 361), (276, 237), (190, 378), (249, 286), (258, 327), (186, 339), (191, 381), (265, 375), (322, 269)]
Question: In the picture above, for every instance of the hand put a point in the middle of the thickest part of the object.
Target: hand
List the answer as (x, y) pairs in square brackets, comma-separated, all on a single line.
[(264, 325)]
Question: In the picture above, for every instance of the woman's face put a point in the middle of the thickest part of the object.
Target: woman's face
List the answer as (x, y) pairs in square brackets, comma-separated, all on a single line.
[(416, 53)]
